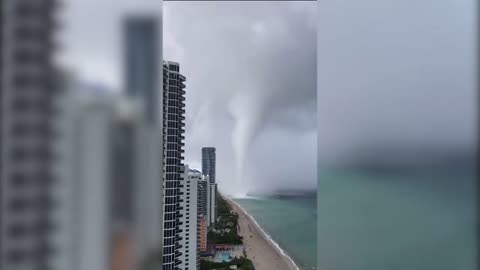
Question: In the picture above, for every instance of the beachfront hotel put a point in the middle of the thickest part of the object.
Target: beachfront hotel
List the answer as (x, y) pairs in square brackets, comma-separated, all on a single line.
[(191, 208), (173, 173), (208, 162)]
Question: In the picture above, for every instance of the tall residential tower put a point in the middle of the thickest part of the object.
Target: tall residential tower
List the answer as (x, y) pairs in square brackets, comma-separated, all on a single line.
[(142, 67), (27, 94), (208, 162), (143, 84), (174, 171), (189, 219)]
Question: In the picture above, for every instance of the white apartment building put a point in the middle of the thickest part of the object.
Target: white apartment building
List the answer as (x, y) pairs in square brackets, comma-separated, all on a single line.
[(211, 203), (189, 205), (108, 212)]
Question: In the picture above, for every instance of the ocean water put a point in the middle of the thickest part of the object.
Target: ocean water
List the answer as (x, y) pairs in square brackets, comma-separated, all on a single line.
[(373, 221), (290, 221)]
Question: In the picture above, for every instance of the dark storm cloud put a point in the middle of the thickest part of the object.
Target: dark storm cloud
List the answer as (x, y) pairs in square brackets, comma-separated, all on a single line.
[(251, 88), (396, 81), (251, 79)]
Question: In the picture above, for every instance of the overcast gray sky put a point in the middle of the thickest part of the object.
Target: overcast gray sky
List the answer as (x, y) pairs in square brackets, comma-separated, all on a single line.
[(90, 36), (396, 80), (251, 80), (251, 89)]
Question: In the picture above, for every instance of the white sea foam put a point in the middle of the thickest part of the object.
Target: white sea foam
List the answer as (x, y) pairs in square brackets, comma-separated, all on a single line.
[(245, 196), (239, 195), (268, 237)]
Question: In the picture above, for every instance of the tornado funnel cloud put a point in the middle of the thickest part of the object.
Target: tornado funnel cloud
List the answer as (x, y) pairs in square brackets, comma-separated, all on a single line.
[(247, 124)]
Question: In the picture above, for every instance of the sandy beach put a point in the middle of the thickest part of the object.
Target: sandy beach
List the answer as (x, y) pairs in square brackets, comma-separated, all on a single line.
[(263, 254)]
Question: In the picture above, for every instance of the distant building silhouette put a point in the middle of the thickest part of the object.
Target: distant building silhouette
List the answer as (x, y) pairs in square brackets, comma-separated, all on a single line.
[(208, 162), (142, 64)]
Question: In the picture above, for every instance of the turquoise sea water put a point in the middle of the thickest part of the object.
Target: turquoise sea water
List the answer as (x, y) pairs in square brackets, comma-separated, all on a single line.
[(397, 222), (291, 222)]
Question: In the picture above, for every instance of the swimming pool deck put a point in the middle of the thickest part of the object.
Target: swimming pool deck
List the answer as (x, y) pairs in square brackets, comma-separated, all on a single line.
[(237, 251)]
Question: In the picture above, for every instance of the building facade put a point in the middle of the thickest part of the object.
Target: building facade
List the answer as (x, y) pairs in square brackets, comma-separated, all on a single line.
[(202, 195), (143, 63), (84, 216), (143, 86), (202, 226), (211, 204), (108, 202), (202, 234), (189, 219), (27, 94), (208, 162), (173, 173)]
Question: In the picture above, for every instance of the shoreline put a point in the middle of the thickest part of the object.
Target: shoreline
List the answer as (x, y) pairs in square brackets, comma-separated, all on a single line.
[(254, 245)]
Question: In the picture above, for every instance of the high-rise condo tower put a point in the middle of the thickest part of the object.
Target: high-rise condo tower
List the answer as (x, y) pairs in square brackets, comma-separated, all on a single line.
[(174, 171), (208, 162)]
